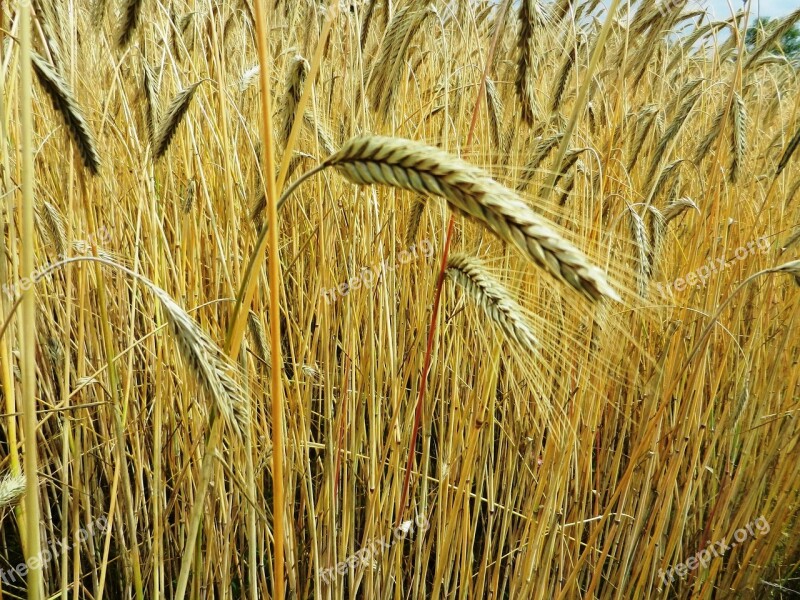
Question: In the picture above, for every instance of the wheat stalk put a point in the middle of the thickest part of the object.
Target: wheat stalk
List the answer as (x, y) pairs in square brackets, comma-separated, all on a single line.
[(65, 104), (469, 273), (414, 166)]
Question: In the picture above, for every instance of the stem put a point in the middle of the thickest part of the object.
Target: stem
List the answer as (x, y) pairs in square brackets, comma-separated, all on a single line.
[(28, 329), (440, 281)]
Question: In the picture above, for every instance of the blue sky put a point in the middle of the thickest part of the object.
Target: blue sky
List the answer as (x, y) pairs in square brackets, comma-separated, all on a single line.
[(764, 8)]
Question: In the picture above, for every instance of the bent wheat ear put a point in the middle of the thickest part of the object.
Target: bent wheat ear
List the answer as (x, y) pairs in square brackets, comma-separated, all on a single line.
[(11, 489), (414, 166), (787, 154), (64, 102), (172, 118), (208, 362), (675, 208), (469, 273)]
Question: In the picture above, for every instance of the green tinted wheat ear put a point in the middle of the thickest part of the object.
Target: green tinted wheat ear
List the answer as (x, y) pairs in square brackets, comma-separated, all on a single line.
[(172, 118), (11, 489), (469, 273), (64, 102), (414, 166)]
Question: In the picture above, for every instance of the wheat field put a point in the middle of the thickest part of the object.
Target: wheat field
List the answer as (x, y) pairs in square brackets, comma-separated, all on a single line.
[(398, 299)]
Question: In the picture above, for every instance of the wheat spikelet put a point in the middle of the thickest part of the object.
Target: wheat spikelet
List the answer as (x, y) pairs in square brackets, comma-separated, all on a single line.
[(673, 130), (54, 225), (129, 19), (98, 12), (414, 219), (738, 136), (64, 103), (389, 65), (705, 145), (295, 81), (208, 362), (657, 228), (675, 208), (563, 76), (496, 112), (791, 240), (543, 149), (323, 136), (531, 19), (469, 273), (249, 77), (414, 166), (645, 118), (151, 109), (172, 118), (787, 154), (11, 489), (188, 199), (367, 21), (643, 267), (262, 350)]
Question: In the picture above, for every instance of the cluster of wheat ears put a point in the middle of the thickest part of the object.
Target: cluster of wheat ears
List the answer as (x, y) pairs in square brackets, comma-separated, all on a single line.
[(563, 427)]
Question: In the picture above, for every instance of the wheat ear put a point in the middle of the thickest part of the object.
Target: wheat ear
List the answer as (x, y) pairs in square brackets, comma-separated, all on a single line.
[(151, 109), (54, 226), (738, 136), (414, 219), (414, 166), (676, 207), (469, 273), (129, 19), (787, 154), (11, 489), (65, 104), (295, 80), (172, 118), (531, 19)]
